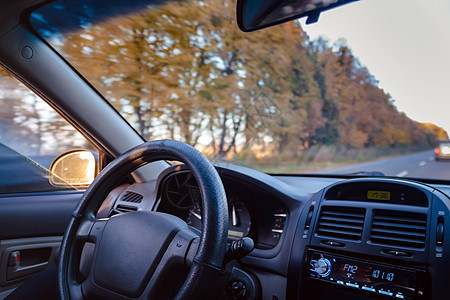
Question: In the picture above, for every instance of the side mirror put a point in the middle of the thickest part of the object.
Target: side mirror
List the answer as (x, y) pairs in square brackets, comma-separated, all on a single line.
[(76, 168), (257, 14)]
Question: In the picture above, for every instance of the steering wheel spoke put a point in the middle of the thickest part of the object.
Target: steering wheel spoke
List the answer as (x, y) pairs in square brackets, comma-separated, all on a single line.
[(180, 246), (190, 255), (175, 256), (96, 229), (83, 233), (76, 290)]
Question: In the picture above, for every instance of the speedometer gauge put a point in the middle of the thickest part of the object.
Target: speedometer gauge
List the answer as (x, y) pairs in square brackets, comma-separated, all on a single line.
[(239, 219), (194, 216), (238, 216)]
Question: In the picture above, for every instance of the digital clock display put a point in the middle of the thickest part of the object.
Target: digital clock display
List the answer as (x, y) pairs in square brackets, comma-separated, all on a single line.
[(378, 195)]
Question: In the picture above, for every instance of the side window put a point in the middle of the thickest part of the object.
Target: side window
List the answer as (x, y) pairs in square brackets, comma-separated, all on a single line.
[(32, 134)]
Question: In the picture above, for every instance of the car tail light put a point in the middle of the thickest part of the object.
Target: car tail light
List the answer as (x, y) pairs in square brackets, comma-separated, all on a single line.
[(436, 150)]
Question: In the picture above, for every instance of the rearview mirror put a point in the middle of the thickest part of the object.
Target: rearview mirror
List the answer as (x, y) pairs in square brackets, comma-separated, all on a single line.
[(76, 168), (257, 14)]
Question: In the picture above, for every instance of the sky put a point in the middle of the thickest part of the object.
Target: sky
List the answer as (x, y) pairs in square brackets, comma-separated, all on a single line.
[(405, 44)]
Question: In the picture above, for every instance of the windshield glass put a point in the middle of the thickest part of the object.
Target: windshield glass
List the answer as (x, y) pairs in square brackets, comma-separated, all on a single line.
[(293, 98)]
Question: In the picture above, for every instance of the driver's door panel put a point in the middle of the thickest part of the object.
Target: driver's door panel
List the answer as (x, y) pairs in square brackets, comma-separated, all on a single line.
[(31, 229)]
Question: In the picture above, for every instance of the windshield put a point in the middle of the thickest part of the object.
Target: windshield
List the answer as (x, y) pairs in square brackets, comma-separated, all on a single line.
[(293, 98)]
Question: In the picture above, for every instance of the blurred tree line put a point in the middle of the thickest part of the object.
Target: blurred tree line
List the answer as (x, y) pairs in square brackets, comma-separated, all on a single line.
[(184, 71)]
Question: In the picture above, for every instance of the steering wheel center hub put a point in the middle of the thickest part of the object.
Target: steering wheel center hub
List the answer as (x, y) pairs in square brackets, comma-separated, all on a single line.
[(130, 249)]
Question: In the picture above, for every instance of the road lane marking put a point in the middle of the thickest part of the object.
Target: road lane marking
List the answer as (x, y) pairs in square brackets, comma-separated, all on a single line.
[(422, 163), (402, 174)]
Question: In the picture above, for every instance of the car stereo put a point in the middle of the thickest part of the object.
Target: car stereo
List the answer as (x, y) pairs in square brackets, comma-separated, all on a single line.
[(371, 277)]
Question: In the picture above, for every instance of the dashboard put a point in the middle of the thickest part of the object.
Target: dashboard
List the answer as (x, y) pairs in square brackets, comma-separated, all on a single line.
[(357, 238)]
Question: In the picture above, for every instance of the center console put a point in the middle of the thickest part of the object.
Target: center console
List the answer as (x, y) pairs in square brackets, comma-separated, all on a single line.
[(372, 239)]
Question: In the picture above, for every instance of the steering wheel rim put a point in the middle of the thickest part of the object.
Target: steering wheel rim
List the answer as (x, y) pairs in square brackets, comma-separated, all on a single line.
[(211, 249)]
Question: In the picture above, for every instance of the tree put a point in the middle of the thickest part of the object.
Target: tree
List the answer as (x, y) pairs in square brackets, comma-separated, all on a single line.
[(183, 71)]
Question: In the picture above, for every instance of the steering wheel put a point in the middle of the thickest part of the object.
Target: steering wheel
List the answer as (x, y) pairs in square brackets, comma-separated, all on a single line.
[(133, 251)]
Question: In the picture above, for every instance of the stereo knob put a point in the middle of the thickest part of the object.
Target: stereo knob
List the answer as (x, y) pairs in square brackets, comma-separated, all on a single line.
[(322, 267)]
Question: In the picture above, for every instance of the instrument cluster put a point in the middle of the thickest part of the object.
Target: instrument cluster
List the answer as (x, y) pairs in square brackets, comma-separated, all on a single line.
[(252, 212)]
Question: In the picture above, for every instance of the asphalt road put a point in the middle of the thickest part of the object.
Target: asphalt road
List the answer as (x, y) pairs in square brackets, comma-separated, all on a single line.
[(417, 165)]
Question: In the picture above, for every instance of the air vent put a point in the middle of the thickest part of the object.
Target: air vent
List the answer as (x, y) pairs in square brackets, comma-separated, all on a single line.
[(125, 208), (402, 229), (132, 197), (341, 222)]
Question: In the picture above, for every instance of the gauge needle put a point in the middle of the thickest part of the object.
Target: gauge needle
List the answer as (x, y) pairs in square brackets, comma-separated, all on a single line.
[(233, 215), (195, 214)]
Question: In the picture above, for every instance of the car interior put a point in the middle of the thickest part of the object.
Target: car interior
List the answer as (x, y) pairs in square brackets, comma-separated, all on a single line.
[(120, 217)]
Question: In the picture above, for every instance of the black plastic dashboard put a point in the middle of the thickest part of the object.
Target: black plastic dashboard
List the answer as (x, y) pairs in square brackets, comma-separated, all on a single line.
[(361, 238)]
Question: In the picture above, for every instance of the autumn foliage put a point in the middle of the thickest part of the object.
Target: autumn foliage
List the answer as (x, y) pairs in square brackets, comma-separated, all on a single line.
[(184, 71)]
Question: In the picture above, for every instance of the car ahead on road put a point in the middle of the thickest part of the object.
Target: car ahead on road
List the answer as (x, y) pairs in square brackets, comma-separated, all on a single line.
[(442, 150), (117, 92)]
